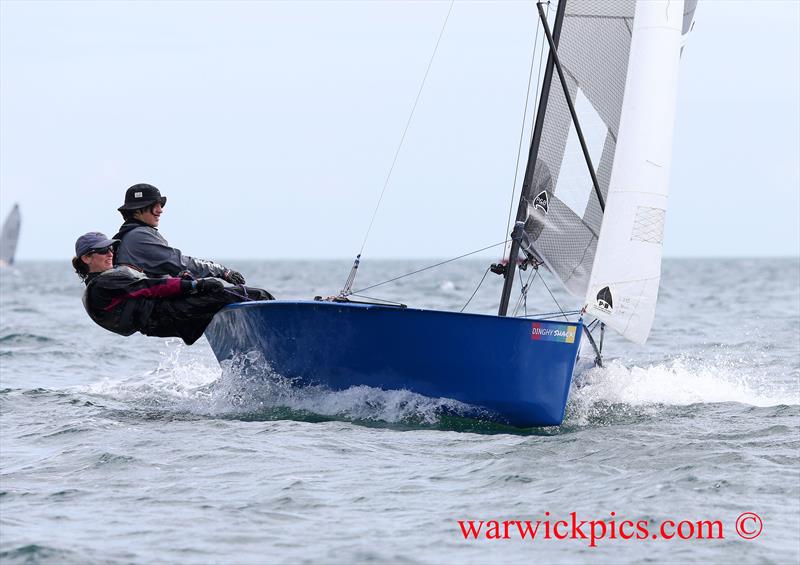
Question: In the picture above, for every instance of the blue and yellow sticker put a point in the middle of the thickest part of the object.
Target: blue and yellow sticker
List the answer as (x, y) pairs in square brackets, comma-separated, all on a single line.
[(549, 331)]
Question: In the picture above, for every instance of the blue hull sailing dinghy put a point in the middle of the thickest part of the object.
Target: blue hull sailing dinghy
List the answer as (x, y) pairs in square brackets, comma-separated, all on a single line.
[(607, 98), (436, 354), (9, 236)]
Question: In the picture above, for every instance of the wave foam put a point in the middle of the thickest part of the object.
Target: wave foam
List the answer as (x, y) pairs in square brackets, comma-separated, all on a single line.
[(679, 383), (249, 384), (248, 388)]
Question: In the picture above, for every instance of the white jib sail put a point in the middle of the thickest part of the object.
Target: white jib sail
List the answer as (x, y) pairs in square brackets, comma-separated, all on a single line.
[(623, 286)]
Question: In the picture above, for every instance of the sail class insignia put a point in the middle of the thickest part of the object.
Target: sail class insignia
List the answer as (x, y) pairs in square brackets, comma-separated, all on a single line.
[(541, 201), (604, 300)]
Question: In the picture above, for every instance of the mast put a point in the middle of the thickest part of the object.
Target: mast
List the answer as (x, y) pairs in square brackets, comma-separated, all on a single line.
[(522, 209)]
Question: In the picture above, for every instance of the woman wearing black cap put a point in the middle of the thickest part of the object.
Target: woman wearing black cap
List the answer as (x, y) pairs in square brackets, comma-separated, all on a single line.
[(124, 300), (142, 246)]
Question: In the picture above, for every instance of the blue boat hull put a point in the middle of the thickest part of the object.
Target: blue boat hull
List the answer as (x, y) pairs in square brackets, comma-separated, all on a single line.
[(519, 370)]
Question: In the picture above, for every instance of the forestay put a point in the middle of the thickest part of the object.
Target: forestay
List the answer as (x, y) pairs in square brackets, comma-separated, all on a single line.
[(627, 266)]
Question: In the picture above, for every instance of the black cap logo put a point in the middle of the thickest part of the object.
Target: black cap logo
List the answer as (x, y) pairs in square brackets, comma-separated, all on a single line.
[(541, 201), (604, 301)]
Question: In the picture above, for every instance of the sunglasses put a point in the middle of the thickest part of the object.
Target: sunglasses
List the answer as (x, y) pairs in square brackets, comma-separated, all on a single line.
[(103, 251)]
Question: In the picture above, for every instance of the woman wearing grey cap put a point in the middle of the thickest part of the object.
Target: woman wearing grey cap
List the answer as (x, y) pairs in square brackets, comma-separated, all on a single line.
[(142, 246), (124, 300)]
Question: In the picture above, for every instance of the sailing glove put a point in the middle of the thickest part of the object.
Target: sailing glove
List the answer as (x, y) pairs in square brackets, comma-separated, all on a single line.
[(233, 277), (208, 286)]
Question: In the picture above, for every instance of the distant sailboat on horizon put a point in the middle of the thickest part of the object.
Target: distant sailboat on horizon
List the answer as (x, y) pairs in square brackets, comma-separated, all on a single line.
[(10, 236)]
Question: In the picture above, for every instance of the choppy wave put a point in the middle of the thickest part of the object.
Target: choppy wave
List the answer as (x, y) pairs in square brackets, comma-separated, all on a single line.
[(107, 439), (248, 389), (617, 388), (681, 382), (23, 338), (35, 553)]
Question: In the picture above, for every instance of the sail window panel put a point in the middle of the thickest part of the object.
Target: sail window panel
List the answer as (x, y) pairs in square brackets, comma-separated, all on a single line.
[(593, 49), (598, 62), (567, 247), (600, 8), (575, 185), (593, 217)]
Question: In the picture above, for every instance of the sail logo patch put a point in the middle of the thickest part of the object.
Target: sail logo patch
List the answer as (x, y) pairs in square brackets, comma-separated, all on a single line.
[(604, 301), (545, 331), (541, 201)]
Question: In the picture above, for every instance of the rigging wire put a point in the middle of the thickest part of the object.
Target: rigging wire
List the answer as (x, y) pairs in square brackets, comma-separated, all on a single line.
[(525, 114), (549, 315), (524, 291), (476, 290), (408, 123), (379, 299), (554, 299), (541, 60), (431, 266)]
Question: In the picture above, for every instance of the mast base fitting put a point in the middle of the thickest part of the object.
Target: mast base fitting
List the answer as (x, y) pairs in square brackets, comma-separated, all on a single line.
[(498, 269)]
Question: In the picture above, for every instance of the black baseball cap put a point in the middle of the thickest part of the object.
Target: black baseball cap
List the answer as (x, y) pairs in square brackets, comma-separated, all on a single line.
[(92, 240)]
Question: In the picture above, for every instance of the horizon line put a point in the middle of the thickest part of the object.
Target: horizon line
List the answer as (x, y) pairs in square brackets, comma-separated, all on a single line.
[(428, 258)]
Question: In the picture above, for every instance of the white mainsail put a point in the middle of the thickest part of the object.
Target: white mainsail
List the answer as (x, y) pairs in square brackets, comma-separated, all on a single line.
[(626, 272), (9, 236)]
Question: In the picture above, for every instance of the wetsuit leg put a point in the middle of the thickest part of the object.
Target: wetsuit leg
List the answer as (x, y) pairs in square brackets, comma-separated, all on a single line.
[(188, 316)]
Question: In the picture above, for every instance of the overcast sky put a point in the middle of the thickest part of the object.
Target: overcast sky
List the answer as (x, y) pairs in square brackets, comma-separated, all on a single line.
[(271, 126)]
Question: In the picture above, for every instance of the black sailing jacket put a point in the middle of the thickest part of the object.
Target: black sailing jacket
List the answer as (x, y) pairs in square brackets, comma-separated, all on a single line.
[(123, 299), (143, 247)]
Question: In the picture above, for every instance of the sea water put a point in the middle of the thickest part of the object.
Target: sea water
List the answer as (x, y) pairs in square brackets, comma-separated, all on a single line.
[(142, 450)]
